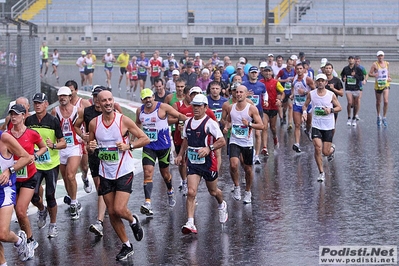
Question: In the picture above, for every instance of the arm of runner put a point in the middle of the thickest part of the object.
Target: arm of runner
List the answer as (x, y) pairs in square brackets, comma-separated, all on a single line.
[(257, 121), (141, 139), (336, 105), (305, 107)]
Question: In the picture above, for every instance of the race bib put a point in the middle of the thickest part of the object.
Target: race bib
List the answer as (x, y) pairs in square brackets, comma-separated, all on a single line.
[(300, 99), (151, 133), (192, 154), (109, 64), (319, 111), (218, 114), (68, 136), (240, 131), (23, 173), (254, 99), (141, 69), (382, 82), (89, 66), (44, 158), (155, 69), (287, 86), (109, 154), (350, 80)]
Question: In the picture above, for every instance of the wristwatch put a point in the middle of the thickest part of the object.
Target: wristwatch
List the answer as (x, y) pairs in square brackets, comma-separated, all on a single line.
[(250, 124), (131, 147), (332, 110), (211, 147), (12, 170)]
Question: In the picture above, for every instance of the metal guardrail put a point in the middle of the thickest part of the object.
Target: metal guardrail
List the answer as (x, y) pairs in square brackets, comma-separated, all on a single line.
[(20, 7)]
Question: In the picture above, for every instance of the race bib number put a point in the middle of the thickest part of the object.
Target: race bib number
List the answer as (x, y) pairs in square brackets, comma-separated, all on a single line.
[(218, 114), (155, 69), (287, 86), (109, 154), (89, 66), (141, 69), (109, 64), (382, 82), (151, 133), (44, 158), (351, 80), (319, 111), (192, 154), (254, 99), (68, 136), (22, 173), (240, 131), (300, 99)]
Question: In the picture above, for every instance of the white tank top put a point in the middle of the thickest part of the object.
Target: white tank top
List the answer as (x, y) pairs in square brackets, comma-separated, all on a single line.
[(320, 119), (70, 136), (299, 99), (381, 80), (240, 134), (113, 162), (4, 164), (108, 61)]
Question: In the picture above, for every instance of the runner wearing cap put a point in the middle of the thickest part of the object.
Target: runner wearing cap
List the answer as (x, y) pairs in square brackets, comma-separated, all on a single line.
[(204, 80), (352, 76), (123, 61), (197, 62), (70, 157), (25, 103), (108, 60), (380, 70), (26, 177), (171, 83), (47, 165), (153, 117), (168, 72), (201, 137), (257, 93), (324, 105), (270, 60), (79, 64)]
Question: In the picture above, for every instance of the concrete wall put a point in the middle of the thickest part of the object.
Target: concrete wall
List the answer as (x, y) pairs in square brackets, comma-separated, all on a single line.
[(184, 35)]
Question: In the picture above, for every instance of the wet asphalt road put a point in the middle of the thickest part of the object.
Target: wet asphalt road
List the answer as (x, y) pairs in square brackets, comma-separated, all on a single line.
[(291, 214)]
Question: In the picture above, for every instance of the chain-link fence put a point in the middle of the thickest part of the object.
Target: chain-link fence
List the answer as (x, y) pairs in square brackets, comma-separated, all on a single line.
[(19, 62)]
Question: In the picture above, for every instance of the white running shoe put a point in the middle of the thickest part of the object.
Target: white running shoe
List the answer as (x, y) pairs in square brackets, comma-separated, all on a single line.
[(247, 197), (223, 214)]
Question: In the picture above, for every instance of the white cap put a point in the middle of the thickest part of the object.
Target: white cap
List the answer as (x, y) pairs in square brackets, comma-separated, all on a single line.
[(241, 60), (294, 57), (321, 76), (64, 91), (109, 51), (270, 55), (195, 89), (380, 53), (172, 55), (205, 70), (200, 99), (263, 64), (197, 54), (323, 62), (175, 72)]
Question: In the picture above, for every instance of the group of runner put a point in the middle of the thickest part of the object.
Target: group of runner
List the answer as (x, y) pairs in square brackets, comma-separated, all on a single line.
[(192, 122)]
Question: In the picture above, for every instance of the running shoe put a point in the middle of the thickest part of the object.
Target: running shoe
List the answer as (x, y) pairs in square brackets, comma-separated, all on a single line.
[(378, 121), (331, 157), (354, 124), (264, 152), (67, 200), (384, 122), (181, 185), (34, 244), (31, 248), (256, 160), (171, 198), (42, 215), (189, 228), (125, 252), (247, 197), (97, 228), (137, 229), (237, 193), (146, 209), (73, 210), (296, 148), (357, 117), (52, 231), (349, 123), (289, 128), (308, 134), (223, 214), (185, 189), (321, 177), (86, 183), (23, 248), (276, 143)]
